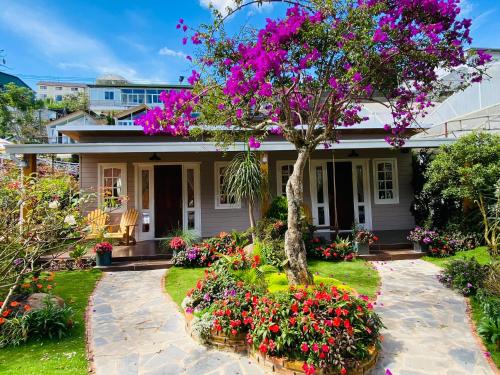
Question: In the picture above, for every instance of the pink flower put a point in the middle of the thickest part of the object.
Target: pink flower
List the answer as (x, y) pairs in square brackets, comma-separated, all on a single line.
[(379, 36), (253, 143)]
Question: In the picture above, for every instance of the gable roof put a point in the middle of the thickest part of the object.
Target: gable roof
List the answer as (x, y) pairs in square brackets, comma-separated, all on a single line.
[(127, 112), (73, 116), (9, 78)]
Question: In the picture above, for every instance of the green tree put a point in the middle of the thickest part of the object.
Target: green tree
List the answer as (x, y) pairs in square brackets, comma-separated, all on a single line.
[(19, 117), (468, 170), (70, 103)]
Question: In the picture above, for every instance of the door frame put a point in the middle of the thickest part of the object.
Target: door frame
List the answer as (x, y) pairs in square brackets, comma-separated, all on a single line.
[(138, 167), (365, 163)]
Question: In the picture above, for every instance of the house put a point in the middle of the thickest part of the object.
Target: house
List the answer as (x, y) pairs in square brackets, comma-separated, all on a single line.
[(113, 93), (177, 182), (78, 118), (9, 78), (56, 91)]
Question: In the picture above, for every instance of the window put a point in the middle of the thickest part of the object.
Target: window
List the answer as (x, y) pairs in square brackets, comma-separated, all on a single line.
[(58, 88), (43, 87), (386, 181), (222, 200), (109, 95), (58, 98), (74, 89), (285, 170), (113, 185)]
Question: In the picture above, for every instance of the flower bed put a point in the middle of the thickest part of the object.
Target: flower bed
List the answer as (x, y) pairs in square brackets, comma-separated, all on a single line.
[(441, 244), (302, 330), (338, 250)]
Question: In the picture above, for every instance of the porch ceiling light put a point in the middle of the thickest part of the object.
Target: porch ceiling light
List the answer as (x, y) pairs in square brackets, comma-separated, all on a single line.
[(154, 157), (353, 154)]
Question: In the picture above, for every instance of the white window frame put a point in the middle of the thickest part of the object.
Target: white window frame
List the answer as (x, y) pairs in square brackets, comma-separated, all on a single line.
[(218, 205), (100, 181), (279, 175), (395, 184)]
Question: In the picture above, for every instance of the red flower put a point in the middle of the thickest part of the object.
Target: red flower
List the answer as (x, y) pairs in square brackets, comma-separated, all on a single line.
[(295, 307), (304, 347), (274, 328), (343, 371), (293, 321), (263, 348), (337, 321), (308, 369), (2, 321), (331, 340), (347, 323), (315, 347), (325, 348)]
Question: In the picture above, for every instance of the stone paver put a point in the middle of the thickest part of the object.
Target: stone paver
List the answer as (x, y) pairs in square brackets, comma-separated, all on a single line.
[(427, 328), (136, 330)]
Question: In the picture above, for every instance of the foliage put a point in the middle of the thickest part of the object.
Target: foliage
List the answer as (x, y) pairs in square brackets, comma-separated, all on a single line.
[(479, 315), (65, 356), (273, 253), (338, 250), (19, 119), (301, 78), (70, 103), (195, 256), (277, 282), (323, 327), (278, 209), (190, 237), (50, 207), (364, 236), (51, 321), (480, 254), (464, 275), (468, 171), (270, 229), (244, 181)]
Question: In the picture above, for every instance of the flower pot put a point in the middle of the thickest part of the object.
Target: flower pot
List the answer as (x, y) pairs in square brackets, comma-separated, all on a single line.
[(103, 259), (420, 247), (362, 248)]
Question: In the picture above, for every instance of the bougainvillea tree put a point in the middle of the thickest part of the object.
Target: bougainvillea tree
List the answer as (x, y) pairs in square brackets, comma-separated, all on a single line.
[(307, 74)]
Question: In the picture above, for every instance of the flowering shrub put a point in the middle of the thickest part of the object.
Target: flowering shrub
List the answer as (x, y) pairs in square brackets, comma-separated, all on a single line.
[(103, 247), (465, 275), (323, 327), (38, 283), (340, 249), (177, 243), (195, 256), (423, 236), (363, 236), (233, 315)]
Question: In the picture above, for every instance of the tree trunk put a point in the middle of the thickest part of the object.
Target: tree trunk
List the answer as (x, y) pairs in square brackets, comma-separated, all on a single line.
[(252, 219), (295, 250)]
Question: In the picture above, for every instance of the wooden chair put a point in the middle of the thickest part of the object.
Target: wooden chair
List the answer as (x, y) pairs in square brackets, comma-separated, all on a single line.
[(125, 232), (97, 221)]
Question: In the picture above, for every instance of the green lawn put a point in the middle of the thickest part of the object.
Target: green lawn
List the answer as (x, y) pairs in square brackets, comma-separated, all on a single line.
[(480, 253), (357, 274), (67, 356)]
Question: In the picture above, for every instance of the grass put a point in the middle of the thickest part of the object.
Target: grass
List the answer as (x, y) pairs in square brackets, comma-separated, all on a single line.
[(66, 356), (357, 274), (477, 314), (480, 253)]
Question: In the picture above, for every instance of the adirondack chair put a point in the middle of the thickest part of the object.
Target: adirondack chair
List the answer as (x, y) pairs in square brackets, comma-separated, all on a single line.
[(97, 221), (125, 232)]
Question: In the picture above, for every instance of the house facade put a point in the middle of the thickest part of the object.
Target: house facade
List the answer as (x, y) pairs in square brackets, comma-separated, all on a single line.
[(177, 182), (56, 91)]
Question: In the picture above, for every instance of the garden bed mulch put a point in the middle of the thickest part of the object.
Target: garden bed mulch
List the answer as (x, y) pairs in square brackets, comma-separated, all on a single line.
[(277, 365)]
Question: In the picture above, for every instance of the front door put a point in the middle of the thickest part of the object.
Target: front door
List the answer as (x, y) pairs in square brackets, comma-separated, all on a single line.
[(342, 207), (168, 199)]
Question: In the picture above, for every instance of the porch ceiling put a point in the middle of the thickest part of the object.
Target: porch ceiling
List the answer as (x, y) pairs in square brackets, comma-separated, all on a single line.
[(143, 147)]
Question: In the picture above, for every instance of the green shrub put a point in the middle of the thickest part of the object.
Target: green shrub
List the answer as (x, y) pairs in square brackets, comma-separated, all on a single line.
[(465, 275), (273, 253), (278, 210), (489, 329)]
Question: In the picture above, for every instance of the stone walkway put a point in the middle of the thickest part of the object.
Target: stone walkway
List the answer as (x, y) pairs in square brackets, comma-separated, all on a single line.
[(137, 330), (427, 328)]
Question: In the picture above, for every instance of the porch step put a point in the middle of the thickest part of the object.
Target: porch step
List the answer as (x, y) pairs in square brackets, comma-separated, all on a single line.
[(136, 258), (140, 265), (391, 246)]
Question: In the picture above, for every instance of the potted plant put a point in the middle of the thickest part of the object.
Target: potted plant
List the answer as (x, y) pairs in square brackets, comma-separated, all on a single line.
[(422, 238), (177, 244), (362, 240), (103, 251)]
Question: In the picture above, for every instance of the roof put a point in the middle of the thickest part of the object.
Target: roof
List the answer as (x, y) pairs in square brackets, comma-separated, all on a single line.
[(189, 146), (3, 142), (64, 84), (9, 78), (71, 116), (127, 112), (142, 85)]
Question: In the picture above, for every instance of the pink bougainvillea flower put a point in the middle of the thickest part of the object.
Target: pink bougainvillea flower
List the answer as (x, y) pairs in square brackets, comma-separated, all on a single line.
[(388, 372)]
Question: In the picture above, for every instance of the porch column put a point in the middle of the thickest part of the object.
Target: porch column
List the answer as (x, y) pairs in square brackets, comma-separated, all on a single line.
[(264, 169)]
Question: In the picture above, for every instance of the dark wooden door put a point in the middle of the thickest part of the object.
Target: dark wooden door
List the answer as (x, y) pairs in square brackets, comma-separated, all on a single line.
[(168, 199), (345, 205)]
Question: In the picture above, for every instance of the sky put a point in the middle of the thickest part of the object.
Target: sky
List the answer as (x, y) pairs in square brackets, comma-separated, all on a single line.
[(79, 40)]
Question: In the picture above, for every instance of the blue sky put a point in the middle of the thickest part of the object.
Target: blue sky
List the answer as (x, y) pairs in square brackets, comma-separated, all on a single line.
[(79, 40)]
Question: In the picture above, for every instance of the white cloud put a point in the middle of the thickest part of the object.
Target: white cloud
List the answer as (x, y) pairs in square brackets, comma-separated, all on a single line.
[(165, 51), (466, 8), (220, 5), (63, 45)]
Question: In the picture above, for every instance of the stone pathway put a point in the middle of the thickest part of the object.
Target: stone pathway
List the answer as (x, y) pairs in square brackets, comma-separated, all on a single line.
[(427, 328), (137, 330)]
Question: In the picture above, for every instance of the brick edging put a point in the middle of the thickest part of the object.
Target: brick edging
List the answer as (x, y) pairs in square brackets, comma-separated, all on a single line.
[(479, 340), (88, 327)]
